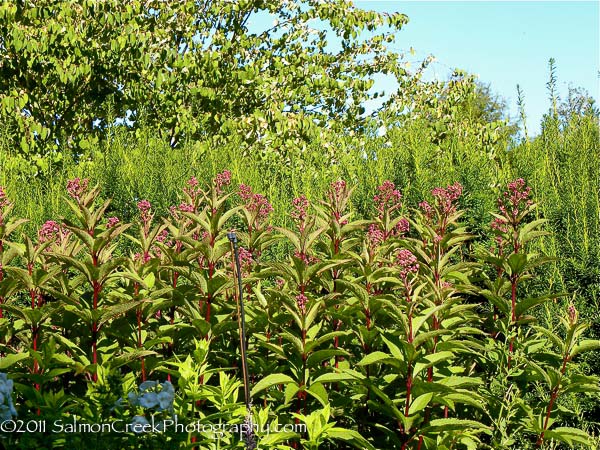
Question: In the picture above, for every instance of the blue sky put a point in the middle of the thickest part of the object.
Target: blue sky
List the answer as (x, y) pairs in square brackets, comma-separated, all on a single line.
[(505, 43)]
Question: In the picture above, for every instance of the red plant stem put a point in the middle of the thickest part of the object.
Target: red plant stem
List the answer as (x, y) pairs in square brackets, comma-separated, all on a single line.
[(513, 295), (1, 278), (409, 382), (34, 333), (172, 321), (97, 287), (208, 307), (211, 272), (136, 290), (302, 394), (553, 397), (409, 337), (513, 284), (34, 329)]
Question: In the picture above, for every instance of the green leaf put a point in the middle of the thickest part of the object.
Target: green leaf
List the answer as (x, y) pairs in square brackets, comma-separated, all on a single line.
[(351, 436), (272, 439), (456, 424), (119, 361), (336, 377), (10, 360), (318, 391), (431, 360), (524, 305), (586, 345), (375, 357), (320, 355), (568, 435), (516, 263), (271, 380), (420, 403)]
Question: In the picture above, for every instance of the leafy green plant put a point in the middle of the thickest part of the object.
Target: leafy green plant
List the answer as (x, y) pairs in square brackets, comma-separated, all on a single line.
[(388, 331)]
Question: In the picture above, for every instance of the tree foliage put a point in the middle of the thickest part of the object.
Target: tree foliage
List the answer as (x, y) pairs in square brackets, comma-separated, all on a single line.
[(193, 69)]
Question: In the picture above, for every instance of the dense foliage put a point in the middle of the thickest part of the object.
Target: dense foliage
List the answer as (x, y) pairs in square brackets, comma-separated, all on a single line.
[(400, 316), (393, 329), (187, 69)]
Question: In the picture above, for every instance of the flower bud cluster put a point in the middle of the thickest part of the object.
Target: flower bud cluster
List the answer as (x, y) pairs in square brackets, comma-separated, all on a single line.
[(221, 180), (77, 187), (389, 198), (257, 204), (407, 262), (300, 211), (52, 231), (516, 199)]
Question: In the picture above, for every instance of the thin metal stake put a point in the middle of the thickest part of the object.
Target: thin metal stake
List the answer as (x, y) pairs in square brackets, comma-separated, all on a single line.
[(241, 318)]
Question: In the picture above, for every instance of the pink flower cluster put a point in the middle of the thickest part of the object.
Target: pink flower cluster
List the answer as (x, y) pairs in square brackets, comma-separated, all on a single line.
[(300, 211), (142, 257), (4, 202), (499, 225), (144, 207), (186, 207), (408, 263), (163, 235), (516, 199), (245, 192), (112, 222), (77, 187), (403, 226), (246, 259), (255, 203), (375, 235), (446, 198), (305, 258), (221, 180), (51, 231), (302, 300), (389, 198), (3, 198), (337, 190), (192, 188)]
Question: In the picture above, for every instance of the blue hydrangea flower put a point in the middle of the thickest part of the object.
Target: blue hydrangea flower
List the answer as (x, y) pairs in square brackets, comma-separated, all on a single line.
[(167, 386), (148, 400), (137, 423), (165, 400), (147, 385), (7, 409), (133, 399)]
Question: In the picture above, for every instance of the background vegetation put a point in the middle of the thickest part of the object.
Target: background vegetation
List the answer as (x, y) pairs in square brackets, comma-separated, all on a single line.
[(286, 119)]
